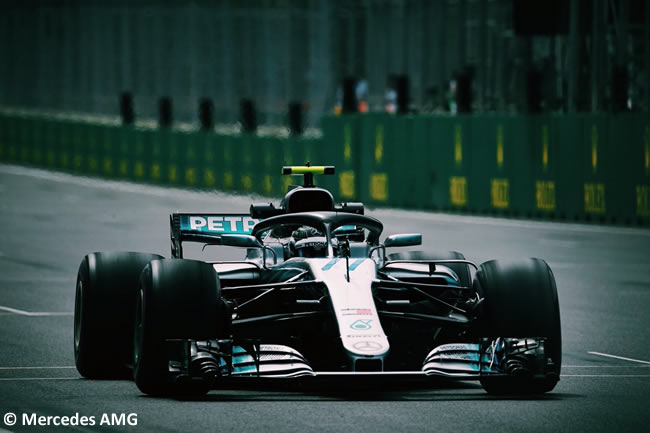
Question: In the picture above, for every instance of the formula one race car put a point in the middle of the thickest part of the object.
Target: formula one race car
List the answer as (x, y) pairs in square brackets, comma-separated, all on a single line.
[(316, 295)]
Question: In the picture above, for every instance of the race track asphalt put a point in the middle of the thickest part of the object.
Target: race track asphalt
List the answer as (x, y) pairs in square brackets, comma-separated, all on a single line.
[(49, 221)]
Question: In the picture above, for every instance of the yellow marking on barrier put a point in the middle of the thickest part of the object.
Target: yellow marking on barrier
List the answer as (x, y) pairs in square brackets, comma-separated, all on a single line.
[(227, 180), (458, 190), (51, 158), (123, 168), (268, 185), (594, 148), (595, 198), (458, 145), (37, 155), (647, 150), (286, 182), (138, 169), (155, 171), (247, 183), (190, 176), (379, 186), (545, 195), (209, 178), (500, 193), (64, 160), (379, 144), (172, 173), (347, 143), (77, 162), (643, 200), (500, 146), (93, 165), (108, 166), (12, 152), (346, 184), (545, 147)]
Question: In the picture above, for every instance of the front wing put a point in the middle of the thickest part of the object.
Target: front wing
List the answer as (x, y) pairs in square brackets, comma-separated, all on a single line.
[(462, 361)]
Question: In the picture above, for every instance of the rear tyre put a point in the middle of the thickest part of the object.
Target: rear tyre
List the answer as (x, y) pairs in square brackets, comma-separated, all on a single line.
[(461, 269), (177, 299), (105, 298), (521, 301)]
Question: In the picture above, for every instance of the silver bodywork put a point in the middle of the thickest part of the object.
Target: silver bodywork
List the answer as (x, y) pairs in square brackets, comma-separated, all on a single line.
[(348, 275), (361, 334)]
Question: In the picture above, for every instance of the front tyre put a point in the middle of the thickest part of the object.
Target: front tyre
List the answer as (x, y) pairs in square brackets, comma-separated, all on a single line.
[(177, 299), (521, 301), (105, 298)]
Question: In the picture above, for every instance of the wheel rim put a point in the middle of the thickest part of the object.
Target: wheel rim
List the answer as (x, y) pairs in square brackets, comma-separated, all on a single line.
[(78, 315), (137, 334)]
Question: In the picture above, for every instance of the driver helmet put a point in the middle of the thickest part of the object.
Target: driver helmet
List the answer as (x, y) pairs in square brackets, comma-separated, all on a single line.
[(309, 242)]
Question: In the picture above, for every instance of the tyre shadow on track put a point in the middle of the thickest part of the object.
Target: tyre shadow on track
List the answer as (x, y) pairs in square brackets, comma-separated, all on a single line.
[(369, 396), (436, 391)]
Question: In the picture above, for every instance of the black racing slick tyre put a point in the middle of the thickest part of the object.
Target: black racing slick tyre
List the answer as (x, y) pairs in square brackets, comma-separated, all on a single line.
[(177, 299), (107, 284), (521, 301), (461, 269)]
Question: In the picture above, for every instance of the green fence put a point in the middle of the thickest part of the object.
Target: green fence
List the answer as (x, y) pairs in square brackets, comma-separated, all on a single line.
[(566, 167), (239, 163), (569, 167)]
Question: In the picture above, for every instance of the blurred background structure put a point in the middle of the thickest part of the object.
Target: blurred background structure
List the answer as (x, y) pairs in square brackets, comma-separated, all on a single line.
[(505, 107), (233, 56)]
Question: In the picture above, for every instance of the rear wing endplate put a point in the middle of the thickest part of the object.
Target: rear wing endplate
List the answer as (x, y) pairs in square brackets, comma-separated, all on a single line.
[(207, 228)]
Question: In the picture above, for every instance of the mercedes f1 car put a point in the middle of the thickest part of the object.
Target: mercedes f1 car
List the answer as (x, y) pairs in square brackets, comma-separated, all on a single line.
[(316, 295)]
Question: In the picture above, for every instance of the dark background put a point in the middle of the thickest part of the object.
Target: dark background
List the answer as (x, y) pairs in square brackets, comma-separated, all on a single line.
[(504, 55)]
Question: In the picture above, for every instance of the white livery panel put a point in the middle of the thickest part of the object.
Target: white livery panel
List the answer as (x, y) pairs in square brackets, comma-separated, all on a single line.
[(359, 326)]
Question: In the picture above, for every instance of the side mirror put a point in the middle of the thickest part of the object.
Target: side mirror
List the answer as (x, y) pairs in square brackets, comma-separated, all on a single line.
[(403, 240), (246, 241), (264, 210)]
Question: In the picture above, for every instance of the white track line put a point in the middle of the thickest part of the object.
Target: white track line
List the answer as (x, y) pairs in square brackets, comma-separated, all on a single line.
[(33, 314), (619, 357), (605, 375), (9, 379), (606, 366), (442, 217), (127, 186), (35, 368)]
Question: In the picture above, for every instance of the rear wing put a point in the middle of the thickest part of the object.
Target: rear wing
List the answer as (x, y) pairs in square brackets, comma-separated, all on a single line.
[(207, 228)]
